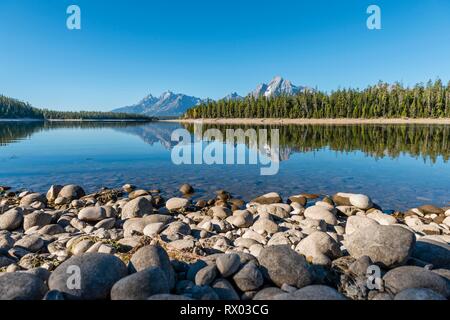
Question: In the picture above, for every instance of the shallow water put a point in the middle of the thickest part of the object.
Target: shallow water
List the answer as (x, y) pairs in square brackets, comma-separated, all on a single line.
[(399, 166)]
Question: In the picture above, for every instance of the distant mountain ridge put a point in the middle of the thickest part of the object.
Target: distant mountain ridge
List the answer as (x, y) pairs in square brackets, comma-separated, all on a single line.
[(176, 104), (168, 104)]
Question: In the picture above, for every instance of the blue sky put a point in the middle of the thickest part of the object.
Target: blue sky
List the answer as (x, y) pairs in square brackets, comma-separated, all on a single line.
[(128, 49)]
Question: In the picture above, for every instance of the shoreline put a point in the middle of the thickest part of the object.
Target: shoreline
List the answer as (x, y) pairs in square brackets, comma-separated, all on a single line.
[(338, 121), (75, 120), (221, 249)]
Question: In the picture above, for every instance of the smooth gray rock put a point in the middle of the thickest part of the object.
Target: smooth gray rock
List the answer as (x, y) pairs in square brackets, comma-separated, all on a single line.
[(21, 286), (11, 219), (98, 273), (153, 256), (268, 293), (32, 197), (5, 261), (418, 294), (225, 290), (137, 208), (201, 293), (313, 292), (249, 278), (387, 246), (319, 248), (228, 264), (280, 264), (194, 268), (54, 295), (406, 277), (32, 243), (71, 192), (206, 275), (36, 218), (92, 214), (165, 296), (436, 253), (141, 285), (174, 204)]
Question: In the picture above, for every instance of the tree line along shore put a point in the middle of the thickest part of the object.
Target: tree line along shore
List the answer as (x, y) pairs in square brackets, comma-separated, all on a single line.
[(12, 109), (383, 100)]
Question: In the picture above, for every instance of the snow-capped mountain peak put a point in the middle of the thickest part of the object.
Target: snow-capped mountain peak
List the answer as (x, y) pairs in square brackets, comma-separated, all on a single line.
[(276, 87)]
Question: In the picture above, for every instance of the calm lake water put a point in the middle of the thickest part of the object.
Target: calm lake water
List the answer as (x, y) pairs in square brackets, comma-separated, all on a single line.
[(399, 166)]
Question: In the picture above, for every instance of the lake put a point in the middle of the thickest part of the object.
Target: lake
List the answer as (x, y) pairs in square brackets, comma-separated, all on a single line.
[(399, 166)]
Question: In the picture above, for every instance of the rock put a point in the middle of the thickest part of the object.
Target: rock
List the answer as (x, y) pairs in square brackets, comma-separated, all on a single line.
[(97, 272), (92, 214), (106, 224), (165, 296), (249, 277), (137, 193), (194, 268), (72, 192), (446, 221), (141, 285), (241, 219), (153, 256), (206, 275), (319, 248), (341, 199), (268, 293), (265, 226), (11, 219), (279, 210), (388, 246), (360, 201), (418, 294), (314, 292), (176, 230), (32, 197), (32, 243), (349, 210), (281, 265), (36, 218), (320, 213), (228, 264), (430, 209), (268, 198), (137, 208), (360, 266), (406, 277), (153, 229), (21, 286), (298, 199), (82, 246), (54, 295), (128, 187), (381, 218), (219, 212), (201, 293), (174, 204), (5, 261), (355, 223), (182, 245), (186, 189), (53, 192), (433, 252), (224, 289), (427, 229)]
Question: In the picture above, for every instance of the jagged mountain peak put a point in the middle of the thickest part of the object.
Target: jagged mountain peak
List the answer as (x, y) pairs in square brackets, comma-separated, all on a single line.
[(276, 87)]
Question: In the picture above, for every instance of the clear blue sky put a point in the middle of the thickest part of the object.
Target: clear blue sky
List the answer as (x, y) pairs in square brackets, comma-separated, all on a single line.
[(209, 48)]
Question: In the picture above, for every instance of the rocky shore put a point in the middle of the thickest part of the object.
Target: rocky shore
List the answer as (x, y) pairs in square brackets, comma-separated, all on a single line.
[(131, 243)]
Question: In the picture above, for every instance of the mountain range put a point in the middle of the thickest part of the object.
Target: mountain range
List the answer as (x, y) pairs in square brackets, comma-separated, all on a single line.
[(176, 104)]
